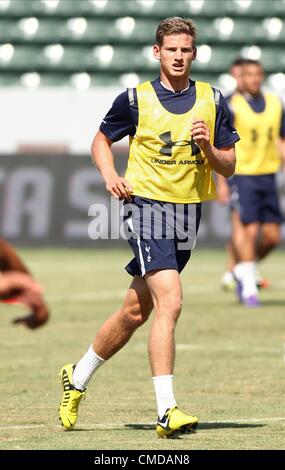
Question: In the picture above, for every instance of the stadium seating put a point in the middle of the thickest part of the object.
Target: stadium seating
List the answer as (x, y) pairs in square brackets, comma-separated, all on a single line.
[(110, 39)]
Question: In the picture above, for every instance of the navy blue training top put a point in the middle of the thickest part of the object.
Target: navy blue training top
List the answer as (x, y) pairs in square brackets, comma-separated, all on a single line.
[(122, 119), (257, 104)]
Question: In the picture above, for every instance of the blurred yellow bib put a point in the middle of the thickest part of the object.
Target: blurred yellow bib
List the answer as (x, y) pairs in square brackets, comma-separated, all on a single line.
[(257, 151)]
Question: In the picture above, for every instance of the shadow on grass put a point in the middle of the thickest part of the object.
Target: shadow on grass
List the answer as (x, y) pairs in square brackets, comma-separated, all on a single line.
[(229, 425), (263, 302), (272, 302), (149, 427)]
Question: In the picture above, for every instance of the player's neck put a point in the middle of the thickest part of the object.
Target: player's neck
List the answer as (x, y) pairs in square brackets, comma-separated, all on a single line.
[(174, 84)]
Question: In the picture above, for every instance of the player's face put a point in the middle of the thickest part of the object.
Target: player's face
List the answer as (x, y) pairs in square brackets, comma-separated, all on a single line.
[(252, 77), (176, 55)]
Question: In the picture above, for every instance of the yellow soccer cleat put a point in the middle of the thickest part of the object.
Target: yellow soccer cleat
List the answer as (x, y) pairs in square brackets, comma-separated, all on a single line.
[(175, 422), (68, 408)]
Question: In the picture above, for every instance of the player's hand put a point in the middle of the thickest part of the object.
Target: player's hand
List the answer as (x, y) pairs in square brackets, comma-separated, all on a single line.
[(119, 187), (35, 319), (200, 133)]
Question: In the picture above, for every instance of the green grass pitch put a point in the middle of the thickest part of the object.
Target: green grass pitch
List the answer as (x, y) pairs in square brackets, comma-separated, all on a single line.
[(230, 368)]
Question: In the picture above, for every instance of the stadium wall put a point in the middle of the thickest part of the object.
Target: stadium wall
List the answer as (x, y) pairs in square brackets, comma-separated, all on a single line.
[(52, 117)]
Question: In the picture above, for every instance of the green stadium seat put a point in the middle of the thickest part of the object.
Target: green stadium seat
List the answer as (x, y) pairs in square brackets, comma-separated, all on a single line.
[(203, 8), (106, 57), (16, 8), (153, 8), (136, 30), (57, 8), (76, 30), (18, 58), (142, 59), (86, 30), (255, 8), (279, 8), (7, 30), (272, 29), (62, 58), (236, 30), (9, 79), (214, 59), (106, 8), (273, 60)]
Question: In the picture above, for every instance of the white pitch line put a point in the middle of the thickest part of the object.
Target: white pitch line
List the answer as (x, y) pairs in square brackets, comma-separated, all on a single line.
[(150, 423), (185, 347), (200, 347), (87, 296), (120, 293), (22, 426), (111, 294)]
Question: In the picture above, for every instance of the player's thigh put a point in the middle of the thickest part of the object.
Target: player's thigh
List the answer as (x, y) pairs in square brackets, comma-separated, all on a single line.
[(138, 300), (252, 230), (166, 291), (271, 233)]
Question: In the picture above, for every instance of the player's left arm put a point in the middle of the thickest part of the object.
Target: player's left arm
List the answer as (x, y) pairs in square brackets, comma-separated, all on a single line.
[(221, 154), (223, 161)]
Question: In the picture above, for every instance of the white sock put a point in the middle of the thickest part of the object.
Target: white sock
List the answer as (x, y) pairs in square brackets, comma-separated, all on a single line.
[(85, 368), (227, 277), (163, 387), (246, 274)]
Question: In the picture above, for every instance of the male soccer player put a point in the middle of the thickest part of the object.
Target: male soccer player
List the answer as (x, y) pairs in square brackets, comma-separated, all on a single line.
[(223, 193), (260, 121), (179, 130), (26, 290), (228, 281)]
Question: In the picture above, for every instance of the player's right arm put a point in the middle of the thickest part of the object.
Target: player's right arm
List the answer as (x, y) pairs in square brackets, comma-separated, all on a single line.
[(117, 124), (103, 158)]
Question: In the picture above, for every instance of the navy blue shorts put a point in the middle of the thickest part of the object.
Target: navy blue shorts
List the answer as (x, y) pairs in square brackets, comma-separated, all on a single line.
[(161, 234), (255, 197)]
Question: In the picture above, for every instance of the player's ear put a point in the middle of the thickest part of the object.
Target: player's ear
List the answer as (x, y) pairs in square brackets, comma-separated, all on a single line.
[(156, 51), (194, 53)]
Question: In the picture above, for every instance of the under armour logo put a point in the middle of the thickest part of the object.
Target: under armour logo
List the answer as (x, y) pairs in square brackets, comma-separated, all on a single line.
[(167, 148)]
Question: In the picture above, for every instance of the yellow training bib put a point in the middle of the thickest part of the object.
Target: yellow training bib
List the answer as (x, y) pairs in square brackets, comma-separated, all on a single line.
[(257, 152), (164, 163)]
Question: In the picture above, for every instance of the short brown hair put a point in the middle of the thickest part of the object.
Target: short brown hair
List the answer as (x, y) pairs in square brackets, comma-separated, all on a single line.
[(175, 25)]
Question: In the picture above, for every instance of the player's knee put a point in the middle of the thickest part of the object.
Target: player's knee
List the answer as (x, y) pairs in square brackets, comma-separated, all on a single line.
[(273, 239), (135, 316), (171, 307)]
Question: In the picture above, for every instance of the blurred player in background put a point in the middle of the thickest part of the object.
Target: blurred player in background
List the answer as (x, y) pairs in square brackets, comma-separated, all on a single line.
[(19, 286), (223, 195), (260, 121), (228, 281), (179, 130)]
